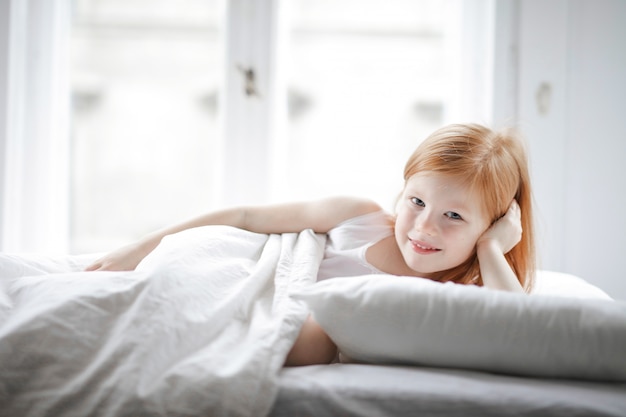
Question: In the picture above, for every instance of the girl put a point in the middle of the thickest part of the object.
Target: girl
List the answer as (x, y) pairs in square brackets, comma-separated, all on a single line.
[(460, 218)]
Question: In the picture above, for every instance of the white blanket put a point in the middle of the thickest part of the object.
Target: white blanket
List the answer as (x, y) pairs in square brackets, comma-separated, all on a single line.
[(201, 328)]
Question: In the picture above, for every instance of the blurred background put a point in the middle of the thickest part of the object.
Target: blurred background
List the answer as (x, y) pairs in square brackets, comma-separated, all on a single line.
[(122, 116), (360, 90)]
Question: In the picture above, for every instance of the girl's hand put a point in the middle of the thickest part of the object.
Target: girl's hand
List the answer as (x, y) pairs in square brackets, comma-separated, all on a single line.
[(125, 258), (491, 247), (506, 232)]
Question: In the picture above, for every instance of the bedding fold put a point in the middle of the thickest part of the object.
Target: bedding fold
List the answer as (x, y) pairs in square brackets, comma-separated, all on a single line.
[(201, 327)]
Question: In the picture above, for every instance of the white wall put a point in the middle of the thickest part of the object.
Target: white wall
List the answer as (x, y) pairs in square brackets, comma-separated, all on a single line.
[(571, 84), (596, 170)]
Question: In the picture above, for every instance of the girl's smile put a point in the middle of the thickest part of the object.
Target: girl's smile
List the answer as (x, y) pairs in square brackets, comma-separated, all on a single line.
[(422, 247)]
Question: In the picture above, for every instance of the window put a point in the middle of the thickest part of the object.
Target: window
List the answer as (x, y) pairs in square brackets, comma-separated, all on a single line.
[(145, 81), (364, 89), (164, 128)]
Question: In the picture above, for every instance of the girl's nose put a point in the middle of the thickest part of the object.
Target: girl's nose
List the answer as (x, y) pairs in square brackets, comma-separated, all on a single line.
[(426, 223)]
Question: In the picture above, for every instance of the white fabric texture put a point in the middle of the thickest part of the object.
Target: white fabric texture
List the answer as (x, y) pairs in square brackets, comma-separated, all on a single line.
[(389, 319), (201, 328), (347, 244)]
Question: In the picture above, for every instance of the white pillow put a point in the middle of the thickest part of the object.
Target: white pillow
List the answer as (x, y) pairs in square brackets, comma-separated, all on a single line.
[(567, 285), (401, 320)]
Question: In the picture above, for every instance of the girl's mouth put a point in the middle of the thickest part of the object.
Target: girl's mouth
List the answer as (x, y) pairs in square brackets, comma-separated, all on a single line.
[(422, 247)]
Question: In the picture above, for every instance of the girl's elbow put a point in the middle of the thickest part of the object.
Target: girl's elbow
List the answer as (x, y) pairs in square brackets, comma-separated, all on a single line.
[(312, 347)]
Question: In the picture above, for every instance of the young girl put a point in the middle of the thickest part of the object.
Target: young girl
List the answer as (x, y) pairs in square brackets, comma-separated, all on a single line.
[(460, 218)]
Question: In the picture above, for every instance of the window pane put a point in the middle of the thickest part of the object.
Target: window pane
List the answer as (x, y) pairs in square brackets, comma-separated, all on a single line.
[(145, 83), (364, 89)]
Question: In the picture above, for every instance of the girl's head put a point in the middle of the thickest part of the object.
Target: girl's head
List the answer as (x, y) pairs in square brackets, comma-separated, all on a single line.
[(459, 181)]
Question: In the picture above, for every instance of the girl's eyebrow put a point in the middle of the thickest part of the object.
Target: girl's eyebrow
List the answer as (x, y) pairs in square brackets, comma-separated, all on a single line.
[(453, 204), (457, 206), (465, 206), (450, 205)]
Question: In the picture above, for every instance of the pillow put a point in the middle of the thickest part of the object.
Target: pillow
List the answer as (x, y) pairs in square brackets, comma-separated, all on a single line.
[(567, 285), (402, 320)]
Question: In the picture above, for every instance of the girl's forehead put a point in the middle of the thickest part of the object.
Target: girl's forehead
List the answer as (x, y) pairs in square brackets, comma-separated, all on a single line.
[(434, 181)]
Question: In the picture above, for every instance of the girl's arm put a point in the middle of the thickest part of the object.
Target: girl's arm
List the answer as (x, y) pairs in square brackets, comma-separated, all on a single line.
[(321, 216), (491, 247)]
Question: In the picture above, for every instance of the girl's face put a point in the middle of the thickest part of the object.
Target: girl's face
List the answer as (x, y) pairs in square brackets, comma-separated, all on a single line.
[(438, 223)]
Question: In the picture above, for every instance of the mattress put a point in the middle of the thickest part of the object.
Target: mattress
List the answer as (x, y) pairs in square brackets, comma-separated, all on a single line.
[(353, 390)]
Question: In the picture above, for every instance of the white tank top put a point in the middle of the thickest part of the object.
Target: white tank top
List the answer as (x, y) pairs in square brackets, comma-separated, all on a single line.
[(347, 243)]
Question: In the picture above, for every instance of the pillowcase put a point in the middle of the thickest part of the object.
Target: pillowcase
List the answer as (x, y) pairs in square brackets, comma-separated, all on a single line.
[(567, 285), (403, 320)]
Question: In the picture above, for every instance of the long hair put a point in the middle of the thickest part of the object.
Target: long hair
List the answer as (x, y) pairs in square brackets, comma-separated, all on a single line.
[(494, 166)]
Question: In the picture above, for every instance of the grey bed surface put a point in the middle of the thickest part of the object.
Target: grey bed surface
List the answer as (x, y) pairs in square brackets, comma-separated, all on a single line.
[(378, 391)]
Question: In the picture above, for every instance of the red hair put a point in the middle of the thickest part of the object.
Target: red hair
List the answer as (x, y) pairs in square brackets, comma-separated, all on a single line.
[(494, 166)]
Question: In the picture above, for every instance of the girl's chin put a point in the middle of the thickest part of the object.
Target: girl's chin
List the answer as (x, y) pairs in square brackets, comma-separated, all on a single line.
[(418, 266)]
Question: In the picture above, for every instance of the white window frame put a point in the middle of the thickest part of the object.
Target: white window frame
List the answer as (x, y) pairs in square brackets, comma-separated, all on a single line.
[(34, 123), (252, 125)]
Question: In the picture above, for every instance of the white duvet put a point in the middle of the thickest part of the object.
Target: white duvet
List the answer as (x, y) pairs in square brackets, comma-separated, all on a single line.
[(201, 328)]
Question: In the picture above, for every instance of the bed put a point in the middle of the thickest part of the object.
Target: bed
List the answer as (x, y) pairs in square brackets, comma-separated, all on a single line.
[(203, 325)]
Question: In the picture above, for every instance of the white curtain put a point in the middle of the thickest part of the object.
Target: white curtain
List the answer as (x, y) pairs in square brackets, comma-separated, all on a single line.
[(34, 125)]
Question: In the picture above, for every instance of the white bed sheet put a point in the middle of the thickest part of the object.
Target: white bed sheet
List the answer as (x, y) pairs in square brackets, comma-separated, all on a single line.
[(359, 390)]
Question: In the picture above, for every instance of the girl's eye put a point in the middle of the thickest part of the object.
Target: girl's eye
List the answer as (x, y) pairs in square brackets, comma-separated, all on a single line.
[(453, 215), (417, 201)]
